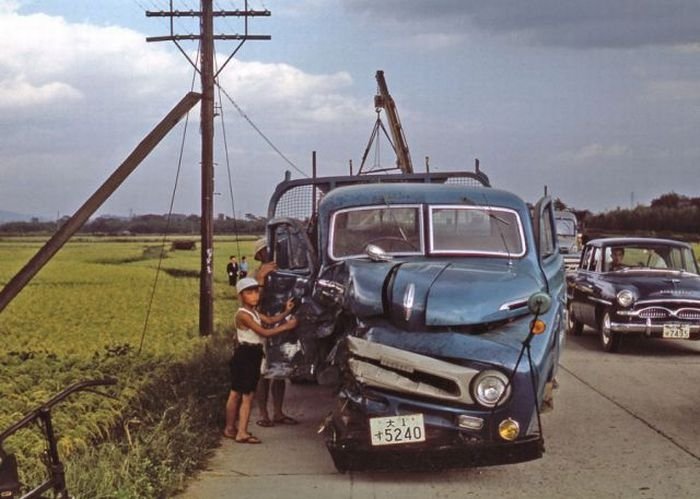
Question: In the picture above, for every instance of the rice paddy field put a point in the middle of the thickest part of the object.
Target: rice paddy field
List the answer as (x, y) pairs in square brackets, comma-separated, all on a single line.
[(100, 308)]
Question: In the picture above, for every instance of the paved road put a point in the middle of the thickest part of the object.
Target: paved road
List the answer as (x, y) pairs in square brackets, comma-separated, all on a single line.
[(624, 425)]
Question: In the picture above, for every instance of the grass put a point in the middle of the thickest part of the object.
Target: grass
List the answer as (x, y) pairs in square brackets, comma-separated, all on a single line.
[(84, 316)]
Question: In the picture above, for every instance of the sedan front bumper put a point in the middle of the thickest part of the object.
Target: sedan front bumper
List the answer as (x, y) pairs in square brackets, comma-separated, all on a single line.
[(649, 329)]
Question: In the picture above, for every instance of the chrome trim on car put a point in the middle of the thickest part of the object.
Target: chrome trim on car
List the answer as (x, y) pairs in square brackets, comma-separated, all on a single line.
[(408, 298), (658, 312), (600, 300), (512, 305), (669, 300), (648, 328), (392, 368)]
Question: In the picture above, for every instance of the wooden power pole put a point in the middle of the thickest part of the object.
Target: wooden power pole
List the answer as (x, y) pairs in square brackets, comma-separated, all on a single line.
[(206, 39)]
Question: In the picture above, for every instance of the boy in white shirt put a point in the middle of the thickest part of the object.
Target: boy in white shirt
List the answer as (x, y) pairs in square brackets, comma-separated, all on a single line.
[(246, 359)]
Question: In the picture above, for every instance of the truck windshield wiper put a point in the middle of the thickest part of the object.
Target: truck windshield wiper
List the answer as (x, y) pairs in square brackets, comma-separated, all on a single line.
[(397, 225)]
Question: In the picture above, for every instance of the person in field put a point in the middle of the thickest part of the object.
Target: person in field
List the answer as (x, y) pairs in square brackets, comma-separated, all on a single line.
[(247, 357), (232, 271), (243, 268)]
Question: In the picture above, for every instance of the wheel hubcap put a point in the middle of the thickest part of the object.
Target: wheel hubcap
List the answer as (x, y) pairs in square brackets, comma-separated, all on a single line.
[(606, 329), (569, 319)]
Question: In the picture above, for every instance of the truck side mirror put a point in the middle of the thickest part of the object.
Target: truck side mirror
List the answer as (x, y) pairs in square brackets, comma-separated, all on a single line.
[(376, 254), (539, 303)]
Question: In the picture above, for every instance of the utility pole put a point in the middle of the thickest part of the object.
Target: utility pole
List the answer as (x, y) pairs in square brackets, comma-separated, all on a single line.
[(206, 38)]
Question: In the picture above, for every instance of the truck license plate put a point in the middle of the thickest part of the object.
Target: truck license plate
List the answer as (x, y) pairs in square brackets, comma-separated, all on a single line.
[(394, 430), (677, 331)]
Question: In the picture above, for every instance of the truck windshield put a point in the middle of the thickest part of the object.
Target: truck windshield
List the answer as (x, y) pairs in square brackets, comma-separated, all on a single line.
[(397, 229), (566, 227), (476, 230)]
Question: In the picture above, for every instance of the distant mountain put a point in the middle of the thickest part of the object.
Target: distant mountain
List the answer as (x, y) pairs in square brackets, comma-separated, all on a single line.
[(10, 216)]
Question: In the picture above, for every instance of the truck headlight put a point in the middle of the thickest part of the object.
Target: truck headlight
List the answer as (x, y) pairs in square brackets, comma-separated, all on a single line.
[(490, 388), (625, 298)]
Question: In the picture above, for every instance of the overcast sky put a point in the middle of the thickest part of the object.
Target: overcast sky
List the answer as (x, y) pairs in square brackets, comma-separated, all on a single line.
[(599, 100)]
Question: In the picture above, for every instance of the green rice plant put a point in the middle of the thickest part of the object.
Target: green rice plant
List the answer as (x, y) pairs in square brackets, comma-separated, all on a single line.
[(84, 316)]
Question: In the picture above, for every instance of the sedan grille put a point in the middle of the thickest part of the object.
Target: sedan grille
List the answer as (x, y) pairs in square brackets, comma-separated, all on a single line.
[(688, 314), (661, 313), (655, 313)]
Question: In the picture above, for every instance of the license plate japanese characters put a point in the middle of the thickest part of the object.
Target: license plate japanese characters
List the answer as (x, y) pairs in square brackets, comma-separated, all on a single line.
[(394, 430), (677, 331)]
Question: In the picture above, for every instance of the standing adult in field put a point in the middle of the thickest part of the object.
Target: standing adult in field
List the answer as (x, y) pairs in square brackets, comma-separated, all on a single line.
[(275, 386), (232, 270), (247, 358), (243, 272)]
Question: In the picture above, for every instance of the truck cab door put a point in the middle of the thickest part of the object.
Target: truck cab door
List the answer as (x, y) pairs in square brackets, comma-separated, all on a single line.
[(548, 254), (290, 248), (550, 259), (292, 251)]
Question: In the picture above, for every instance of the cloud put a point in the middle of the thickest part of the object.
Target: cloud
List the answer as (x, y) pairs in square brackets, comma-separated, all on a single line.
[(17, 92), (75, 98), (567, 23), (294, 94), (673, 90), (593, 152)]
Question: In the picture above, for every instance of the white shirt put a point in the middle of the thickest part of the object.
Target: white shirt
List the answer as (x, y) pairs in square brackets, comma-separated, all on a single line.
[(248, 335)]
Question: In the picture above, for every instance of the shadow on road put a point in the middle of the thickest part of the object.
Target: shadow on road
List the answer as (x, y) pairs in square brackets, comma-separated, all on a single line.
[(635, 345)]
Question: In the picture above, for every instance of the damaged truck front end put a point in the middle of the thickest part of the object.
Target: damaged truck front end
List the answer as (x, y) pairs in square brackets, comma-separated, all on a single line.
[(438, 311)]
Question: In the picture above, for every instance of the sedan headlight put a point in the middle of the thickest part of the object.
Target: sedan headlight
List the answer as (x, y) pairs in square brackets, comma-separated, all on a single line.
[(625, 298), (490, 388)]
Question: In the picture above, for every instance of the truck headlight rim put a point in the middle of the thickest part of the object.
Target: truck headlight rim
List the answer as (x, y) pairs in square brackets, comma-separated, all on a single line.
[(491, 387)]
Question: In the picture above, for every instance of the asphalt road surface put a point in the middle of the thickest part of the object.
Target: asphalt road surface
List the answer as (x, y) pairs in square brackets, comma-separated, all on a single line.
[(624, 425)]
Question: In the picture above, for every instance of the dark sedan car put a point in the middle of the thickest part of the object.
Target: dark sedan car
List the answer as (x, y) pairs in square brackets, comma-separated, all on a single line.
[(641, 286)]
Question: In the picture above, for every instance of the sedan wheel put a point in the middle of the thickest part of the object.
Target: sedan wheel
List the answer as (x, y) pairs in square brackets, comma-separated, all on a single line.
[(572, 325), (609, 340)]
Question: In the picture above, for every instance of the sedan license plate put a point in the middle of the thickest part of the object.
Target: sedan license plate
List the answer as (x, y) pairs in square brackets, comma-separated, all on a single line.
[(394, 430), (677, 331)]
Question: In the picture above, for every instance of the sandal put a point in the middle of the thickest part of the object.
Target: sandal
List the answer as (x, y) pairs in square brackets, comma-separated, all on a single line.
[(285, 420), (250, 439), (265, 423)]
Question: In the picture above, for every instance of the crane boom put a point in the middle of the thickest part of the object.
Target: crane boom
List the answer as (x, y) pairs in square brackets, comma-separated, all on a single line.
[(384, 100)]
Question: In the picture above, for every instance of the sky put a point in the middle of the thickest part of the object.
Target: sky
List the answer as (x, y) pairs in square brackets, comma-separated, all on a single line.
[(598, 101)]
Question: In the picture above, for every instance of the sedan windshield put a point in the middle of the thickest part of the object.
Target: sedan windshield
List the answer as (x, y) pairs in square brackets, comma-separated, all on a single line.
[(654, 257)]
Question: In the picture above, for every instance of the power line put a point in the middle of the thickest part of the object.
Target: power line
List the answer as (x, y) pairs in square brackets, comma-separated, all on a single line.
[(167, 223), (260, 132)]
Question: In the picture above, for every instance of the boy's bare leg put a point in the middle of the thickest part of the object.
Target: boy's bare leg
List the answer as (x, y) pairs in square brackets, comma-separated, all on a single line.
[(244, 416), (231, 412)]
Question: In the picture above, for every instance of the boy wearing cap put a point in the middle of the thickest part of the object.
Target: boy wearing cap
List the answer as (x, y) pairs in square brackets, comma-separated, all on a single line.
[(247, 358)]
